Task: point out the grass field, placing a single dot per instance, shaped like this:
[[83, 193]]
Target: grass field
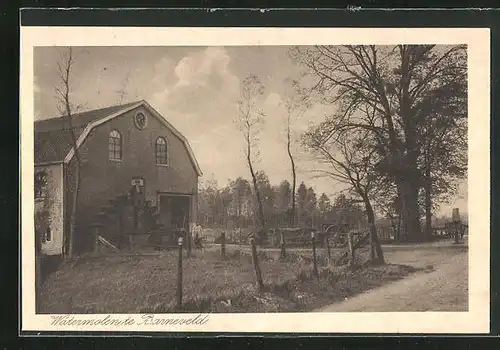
[[147, 283]]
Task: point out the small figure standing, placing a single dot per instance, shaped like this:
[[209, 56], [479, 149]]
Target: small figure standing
[[197, 241]]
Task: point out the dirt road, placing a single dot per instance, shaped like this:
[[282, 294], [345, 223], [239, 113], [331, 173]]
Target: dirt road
[[445, 288]]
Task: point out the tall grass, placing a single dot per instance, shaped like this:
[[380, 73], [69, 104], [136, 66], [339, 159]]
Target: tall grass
[[139, 284]]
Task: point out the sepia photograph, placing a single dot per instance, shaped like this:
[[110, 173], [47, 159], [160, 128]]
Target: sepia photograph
[[250, 179]]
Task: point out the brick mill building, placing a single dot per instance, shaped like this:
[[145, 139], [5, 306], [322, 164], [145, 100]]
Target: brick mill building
[[122, 148]]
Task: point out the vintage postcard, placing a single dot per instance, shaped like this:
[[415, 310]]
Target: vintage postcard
[[255, 180]]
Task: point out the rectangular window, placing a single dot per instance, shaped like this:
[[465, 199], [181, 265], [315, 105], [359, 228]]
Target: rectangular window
[[114, 152], [48, 235], [161, 155], [40, 184]]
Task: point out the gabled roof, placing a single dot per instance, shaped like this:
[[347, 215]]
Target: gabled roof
[[53, 141], [80, 120]]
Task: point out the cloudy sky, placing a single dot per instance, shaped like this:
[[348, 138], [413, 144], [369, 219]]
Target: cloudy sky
[[196, 89]]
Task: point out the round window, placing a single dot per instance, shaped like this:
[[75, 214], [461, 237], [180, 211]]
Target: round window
[[140, 121]]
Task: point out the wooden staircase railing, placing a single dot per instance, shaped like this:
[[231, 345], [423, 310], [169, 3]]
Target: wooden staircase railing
[[104, 242]]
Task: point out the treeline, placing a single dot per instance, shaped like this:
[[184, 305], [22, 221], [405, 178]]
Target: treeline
[[235, 205]]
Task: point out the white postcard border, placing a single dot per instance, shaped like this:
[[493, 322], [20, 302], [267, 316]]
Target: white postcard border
[[476, 320]]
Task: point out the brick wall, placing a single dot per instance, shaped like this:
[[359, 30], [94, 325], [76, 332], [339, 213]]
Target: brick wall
[[103, 179]]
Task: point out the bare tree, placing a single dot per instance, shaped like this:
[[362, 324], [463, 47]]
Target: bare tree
[[292, 162], [294, 107], [350, 158], [249, 118], [66, 108], [392, 80]]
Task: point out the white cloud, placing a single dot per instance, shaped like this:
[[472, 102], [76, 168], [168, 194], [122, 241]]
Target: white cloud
[[203, 67], [273, 99], [204, 83], [189, 72]]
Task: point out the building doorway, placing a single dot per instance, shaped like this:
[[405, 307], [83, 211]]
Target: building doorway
[[174, 212]]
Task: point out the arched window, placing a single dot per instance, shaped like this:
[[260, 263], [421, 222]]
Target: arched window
[[115, 145], [161, 151]]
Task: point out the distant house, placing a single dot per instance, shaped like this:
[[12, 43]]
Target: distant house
[[119, 146]]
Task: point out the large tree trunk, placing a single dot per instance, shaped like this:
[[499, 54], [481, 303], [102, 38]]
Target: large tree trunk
[[409, 183], [74, 211], [74, 204], [409, 212], [67, 108], [428, 203], [376, 255]]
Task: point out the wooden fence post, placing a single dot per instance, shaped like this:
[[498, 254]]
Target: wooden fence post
[[282, 242], [131, 242], [315, 264], [223, 245], [255, 261], [96, 239], [351, 248], [327, 246], [179, 274], [189, 243]]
